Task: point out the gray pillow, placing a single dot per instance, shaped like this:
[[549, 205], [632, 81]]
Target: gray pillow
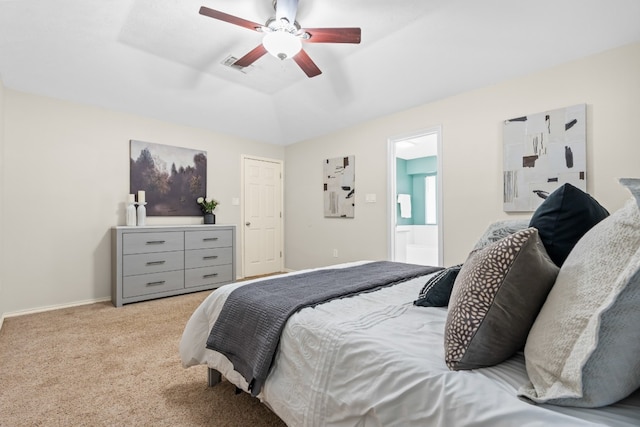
[[495, 300], [499, 230], [583, 348]]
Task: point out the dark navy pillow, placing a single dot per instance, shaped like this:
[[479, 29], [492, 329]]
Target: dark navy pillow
[[563, 218], [437, 290]]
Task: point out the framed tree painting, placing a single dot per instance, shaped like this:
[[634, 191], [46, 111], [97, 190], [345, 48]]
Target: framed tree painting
[[172, 177], [542, 152], [339, 187]]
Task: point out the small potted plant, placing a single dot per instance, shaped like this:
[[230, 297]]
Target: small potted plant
[[208, 205]]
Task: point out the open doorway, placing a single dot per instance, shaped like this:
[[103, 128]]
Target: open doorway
[[415, 196]]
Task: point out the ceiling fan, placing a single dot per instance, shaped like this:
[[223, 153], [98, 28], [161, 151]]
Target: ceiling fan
[[283, 36]]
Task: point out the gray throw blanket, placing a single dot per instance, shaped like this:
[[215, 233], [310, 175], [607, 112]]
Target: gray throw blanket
[[249, 326]]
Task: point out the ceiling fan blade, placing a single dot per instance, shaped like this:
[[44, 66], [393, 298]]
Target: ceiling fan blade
[[216, 14], [251, 57], [333, 35], [286, 9], [308, 66]]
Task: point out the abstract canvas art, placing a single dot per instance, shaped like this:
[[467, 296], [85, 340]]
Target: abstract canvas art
[[172, 177], [541, 152], [339, 187]]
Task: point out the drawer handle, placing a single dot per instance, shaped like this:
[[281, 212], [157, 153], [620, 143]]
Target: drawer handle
[[206, 276], [161, 282], [210, 257], [156, 262], [209, 239], [155, 242]]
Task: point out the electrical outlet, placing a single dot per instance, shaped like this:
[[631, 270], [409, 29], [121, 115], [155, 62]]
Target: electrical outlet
[[335, 253]]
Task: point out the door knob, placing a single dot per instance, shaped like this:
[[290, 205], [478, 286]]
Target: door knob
[[247, 224]]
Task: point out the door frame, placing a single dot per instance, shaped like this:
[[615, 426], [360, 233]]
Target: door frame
[[243, 158], [391, 189]]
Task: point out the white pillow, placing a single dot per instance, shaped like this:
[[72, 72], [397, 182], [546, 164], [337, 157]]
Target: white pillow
[[583, 347]]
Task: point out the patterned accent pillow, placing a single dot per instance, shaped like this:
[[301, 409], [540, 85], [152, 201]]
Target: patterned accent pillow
[[496, 299], [437, 291], [583, 348]]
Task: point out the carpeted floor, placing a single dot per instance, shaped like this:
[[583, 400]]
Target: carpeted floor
[[97, 365]]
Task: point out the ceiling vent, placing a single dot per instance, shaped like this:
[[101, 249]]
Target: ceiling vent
[[230, 60]]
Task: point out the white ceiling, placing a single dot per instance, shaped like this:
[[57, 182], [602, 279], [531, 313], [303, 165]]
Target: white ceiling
[[160, 58], [415, 148]]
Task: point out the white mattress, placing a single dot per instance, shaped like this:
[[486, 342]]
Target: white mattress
[[378, 360]]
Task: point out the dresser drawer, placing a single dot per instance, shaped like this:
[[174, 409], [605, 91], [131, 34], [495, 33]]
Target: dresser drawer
[[207, 239], [207, 275], [146, 284], [152, 263], [207, 257], [139, 243]]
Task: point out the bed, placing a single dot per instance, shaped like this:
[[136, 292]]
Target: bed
[[377, 359]]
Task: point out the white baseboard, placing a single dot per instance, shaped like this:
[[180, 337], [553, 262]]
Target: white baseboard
[[51, 307], [1, 321]]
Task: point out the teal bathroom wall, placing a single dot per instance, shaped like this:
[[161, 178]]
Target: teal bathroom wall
[[404, 185], [423, 165], [418, 210], [410, 179]]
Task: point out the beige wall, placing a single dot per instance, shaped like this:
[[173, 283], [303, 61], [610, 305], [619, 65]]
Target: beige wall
[[3, 299], [64, 174], [609, 83], [67, 176]]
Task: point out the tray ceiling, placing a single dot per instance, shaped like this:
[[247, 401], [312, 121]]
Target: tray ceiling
[[161, 59]]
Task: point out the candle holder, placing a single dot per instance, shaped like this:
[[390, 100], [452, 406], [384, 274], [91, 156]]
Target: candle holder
[[142, 213], [131, 214]]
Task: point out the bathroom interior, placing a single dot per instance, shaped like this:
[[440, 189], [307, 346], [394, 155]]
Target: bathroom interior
[[416, 228]]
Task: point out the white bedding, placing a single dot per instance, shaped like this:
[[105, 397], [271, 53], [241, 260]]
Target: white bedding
[[378, 360]]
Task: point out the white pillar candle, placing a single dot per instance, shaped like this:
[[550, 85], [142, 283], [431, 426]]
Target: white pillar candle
[[132, 198], [141, 197]]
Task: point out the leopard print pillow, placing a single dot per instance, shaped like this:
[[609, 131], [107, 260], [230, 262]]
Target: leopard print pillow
[[495, 300]]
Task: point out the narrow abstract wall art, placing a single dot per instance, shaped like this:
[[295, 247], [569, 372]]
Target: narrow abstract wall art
[[541, 152], [339, 187], [172, 177]]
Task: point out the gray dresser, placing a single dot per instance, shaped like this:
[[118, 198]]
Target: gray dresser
[[158, 261]]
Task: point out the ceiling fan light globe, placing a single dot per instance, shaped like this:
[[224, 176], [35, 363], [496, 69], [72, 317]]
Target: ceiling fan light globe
[[282, 44]]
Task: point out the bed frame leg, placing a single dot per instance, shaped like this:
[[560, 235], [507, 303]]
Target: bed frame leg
[[213, 377]]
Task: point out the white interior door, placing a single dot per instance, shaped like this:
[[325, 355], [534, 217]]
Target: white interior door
[[262, 248]]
